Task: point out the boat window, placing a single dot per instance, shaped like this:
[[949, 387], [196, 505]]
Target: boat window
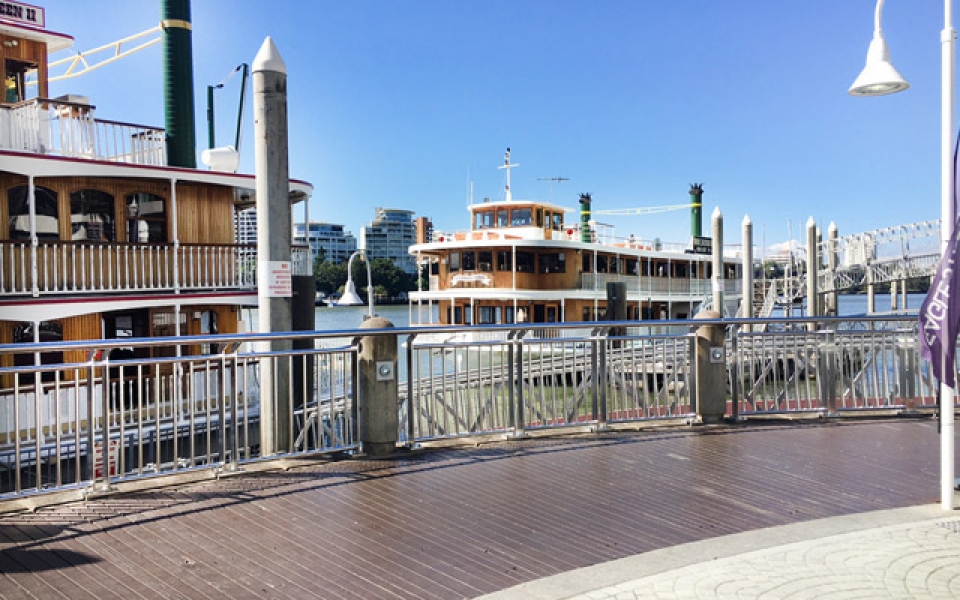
[[48, 227], [647, 267], [503, 217], [558, 221], [615, 264], [525, 262], [520, 217], [539, 217], [15, 80], [504, 260], [553, 262], [468, 261], [601, 264], [488, 315], [631, 266], [454, 262], [483, 219], [49, 331], [485, 260], [680, 270], [586, 263], [92, 216], [146, 219], [508, 315]]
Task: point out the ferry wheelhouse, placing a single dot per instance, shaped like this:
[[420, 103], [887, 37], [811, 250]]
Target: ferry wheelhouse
[[101, 236], [521, 261]]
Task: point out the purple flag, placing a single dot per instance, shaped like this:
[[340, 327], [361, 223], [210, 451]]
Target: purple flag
[[940, 311], [940, 315]]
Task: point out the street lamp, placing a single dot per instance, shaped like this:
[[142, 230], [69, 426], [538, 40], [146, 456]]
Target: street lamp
[[879, 78], [350, 296]]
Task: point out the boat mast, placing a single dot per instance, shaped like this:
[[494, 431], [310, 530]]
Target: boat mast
[[507, 166]]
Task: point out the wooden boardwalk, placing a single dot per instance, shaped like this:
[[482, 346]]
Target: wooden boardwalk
[[462, 522]]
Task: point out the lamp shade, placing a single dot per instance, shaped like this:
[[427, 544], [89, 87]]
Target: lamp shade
[[350, 296], [879, 77]]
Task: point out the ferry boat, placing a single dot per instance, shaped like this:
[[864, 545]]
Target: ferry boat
[[108, 229], [521, 261]]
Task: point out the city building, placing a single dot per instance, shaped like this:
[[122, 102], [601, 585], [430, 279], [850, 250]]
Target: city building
[[424, 227], [337, 245], [390, 235]]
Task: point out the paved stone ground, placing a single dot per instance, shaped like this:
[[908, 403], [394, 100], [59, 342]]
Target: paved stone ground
[[901, 553]]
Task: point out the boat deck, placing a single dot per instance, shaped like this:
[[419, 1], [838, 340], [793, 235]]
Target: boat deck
[[462, 522]]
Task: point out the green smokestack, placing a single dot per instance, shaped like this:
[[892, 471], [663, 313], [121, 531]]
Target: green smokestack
[[585, 235], [178, 82], [696, 209]]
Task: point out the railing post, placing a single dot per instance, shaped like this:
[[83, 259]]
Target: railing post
[[600, 407], [411, 440], [736, 376], [377, 411], [711, 369], [827, 371], [515, 356]]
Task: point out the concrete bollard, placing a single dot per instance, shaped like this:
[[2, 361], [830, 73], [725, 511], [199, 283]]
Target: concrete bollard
[[377, 412], [711, 370]]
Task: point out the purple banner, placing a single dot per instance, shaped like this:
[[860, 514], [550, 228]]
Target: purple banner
[[940, 311], [940, 315]]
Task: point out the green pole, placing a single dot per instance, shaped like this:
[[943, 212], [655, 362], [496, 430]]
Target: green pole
[[211, 137], [585, 235], [696, 210], [178, 83]]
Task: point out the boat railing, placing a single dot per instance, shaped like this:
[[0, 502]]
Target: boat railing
[[99, 422], [68, 129], [63, 267], [645, 284]]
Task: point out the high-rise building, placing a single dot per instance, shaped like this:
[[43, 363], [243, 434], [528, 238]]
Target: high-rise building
[[390, 235], [337, 244], [424, 230]]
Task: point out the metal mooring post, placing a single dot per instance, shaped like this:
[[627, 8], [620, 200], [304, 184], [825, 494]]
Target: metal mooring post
[[711, 369], [377, 411]]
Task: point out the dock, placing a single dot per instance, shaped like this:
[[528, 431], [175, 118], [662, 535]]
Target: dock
[[465, 521]]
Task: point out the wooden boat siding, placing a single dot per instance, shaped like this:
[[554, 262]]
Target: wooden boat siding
[[204, 212]]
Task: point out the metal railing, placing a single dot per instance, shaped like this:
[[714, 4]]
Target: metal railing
[[85, 426]]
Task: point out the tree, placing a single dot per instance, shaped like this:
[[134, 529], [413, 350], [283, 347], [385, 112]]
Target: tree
[[329, 277]]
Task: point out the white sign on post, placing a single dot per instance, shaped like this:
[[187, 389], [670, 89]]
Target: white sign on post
[[276, 278]]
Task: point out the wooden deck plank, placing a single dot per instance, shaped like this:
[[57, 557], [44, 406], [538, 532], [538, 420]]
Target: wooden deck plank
[[461, 522]]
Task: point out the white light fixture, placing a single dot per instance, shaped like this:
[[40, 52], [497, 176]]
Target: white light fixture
[[878, 77], [350, 296]]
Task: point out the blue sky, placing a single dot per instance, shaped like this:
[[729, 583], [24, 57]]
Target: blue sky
[[402, 104]]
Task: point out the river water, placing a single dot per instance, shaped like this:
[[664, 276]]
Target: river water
[[350, 317]]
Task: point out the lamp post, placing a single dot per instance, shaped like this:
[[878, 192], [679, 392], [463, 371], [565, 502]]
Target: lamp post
[[879, 78], [350, 296]]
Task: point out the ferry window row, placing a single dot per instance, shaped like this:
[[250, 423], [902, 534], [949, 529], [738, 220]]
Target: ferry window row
[[527, 262], [93, 216], [517, 217]]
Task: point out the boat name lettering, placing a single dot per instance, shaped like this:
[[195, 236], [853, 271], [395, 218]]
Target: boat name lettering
[[21, 13]]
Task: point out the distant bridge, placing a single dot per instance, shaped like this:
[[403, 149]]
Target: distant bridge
[[885, 255]]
